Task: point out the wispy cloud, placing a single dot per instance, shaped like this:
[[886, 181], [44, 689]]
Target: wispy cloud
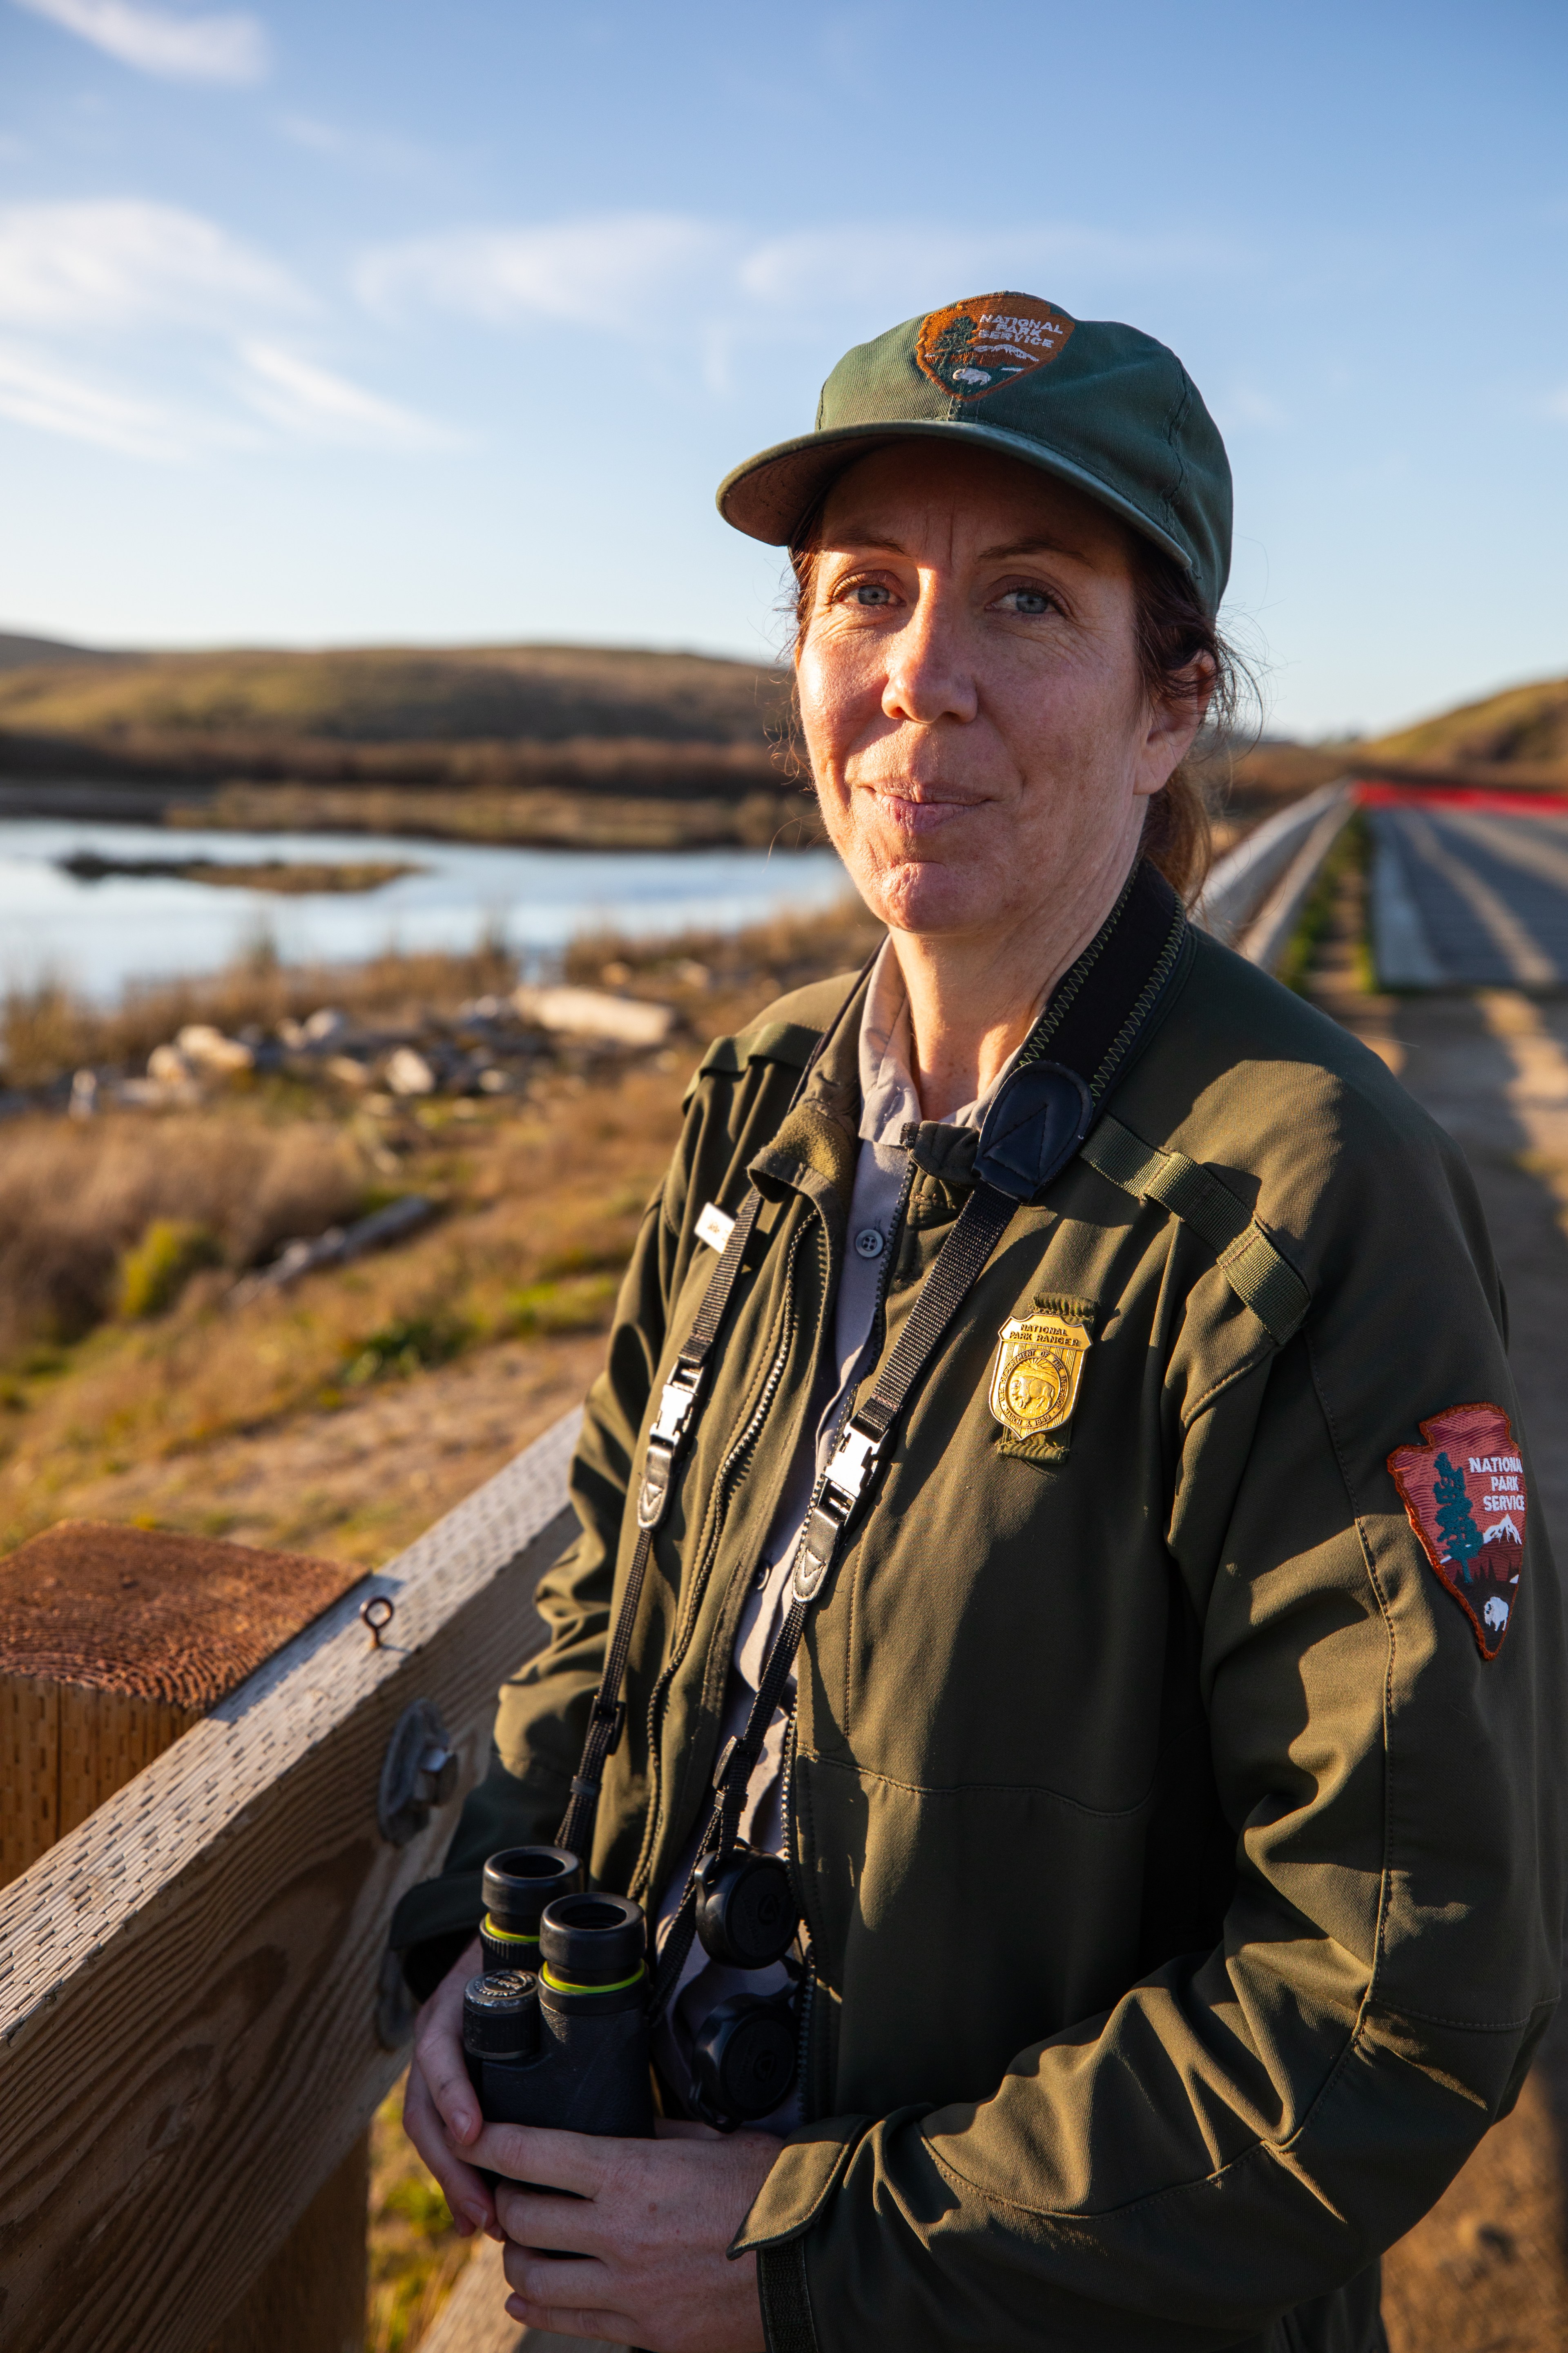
[[38, 392], [150, 330], [227, 48], [606, 271], [685, 278], [119, 262], [314, 405], [369, 151]]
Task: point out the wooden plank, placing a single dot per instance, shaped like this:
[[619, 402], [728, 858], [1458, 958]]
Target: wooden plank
[[312, 2293], [188, 1981]]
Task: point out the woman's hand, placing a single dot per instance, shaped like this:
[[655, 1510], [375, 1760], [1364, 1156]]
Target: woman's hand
[[640, 2237], [440, 2111]]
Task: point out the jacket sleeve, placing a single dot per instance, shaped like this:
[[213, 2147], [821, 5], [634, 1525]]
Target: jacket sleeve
[[1248, 2128], [543, 1716]]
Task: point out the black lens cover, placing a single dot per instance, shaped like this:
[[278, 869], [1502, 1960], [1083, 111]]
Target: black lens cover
[[743, 2059], [746, 1911], [1040, 1117]]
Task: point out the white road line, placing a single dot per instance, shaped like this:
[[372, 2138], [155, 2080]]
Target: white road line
[[1512, 939], [1401, 949], [1537, 1093], [1515, 839]]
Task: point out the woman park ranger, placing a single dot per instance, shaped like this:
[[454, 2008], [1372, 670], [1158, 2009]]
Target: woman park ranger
[[1085, 1525]]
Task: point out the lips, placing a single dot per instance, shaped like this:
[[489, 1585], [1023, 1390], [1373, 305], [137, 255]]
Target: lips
[[920, 813]]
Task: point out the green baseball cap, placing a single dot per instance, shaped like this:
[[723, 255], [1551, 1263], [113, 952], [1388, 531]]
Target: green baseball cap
[[1094, 403]]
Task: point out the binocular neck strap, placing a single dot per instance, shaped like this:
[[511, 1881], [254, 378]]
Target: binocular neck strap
[[667, 1443], [857, 1454]]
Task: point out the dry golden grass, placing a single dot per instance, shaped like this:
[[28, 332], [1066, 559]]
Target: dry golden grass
[[539, 1203], [76, 1199]]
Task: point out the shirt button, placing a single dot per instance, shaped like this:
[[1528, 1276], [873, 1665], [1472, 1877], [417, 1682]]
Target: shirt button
[[868, 1242]]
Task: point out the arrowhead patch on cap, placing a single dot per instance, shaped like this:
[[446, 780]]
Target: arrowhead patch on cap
[[1464, 1492], [972, 347]]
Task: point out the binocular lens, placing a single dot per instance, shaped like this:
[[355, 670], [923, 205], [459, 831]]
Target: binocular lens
[[593, 1941], [742, 2062], [746, 1914]]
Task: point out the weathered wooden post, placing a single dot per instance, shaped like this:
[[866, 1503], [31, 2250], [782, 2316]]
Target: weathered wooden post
[[114, 1641], [197, 2017]]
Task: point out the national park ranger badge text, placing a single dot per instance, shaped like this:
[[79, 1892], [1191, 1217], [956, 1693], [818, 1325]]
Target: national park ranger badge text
[[1039, 1360], [1463, 1490]]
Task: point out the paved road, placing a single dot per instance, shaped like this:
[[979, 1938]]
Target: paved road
[[1470, 898]]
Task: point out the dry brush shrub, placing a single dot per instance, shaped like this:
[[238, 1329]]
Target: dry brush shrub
[[75, 1198]]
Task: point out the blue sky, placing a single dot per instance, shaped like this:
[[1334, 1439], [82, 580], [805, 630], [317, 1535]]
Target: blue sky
[[380, 321]]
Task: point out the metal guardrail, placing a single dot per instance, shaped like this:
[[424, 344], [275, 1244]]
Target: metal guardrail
[[1253, 899], [196, 2021]]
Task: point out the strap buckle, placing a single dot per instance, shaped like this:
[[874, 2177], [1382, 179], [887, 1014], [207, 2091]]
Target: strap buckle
[[676, 1402], [854, 1462], [614, 1718]]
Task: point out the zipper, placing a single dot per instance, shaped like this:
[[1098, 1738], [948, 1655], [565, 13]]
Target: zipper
[[877, 1335], [729, 1471]]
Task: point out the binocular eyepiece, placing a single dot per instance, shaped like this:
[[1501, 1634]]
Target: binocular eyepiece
[[565, 2045], [555, 2031]]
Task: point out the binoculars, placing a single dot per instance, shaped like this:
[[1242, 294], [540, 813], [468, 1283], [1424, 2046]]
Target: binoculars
[[555, 2031]]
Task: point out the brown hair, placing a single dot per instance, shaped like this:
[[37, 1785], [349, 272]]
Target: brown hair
[[1182, 659]]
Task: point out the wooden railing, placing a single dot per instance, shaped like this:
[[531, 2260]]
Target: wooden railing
[[196, 2019]]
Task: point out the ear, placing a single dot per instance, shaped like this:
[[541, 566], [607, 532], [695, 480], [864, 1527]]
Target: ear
[[1174, 719]]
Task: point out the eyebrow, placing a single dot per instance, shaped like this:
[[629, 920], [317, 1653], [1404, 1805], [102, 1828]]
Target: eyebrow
[[1037, 543]]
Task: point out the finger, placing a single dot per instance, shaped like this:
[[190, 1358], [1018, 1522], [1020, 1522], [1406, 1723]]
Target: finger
[[607, 2327], [582, 2291], [551, 2161], [439, 2049], [465, 2192], [571, 2224]]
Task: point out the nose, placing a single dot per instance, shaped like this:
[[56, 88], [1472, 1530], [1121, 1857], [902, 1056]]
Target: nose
[[929, 676]]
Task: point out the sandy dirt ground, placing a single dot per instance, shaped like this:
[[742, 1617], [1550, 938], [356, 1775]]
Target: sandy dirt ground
[[1486, 2271], [364, 1479]]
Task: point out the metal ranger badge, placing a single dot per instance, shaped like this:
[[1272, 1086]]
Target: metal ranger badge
[[1464, 1492], [1039, 1360]]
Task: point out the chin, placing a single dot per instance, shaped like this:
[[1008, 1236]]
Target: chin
[[920, 895]]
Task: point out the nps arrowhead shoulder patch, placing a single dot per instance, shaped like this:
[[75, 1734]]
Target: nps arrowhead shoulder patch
[[1464, 1492]]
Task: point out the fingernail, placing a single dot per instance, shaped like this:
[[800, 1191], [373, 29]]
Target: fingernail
[[476, 2218], [463, 2226], [462, 2122]]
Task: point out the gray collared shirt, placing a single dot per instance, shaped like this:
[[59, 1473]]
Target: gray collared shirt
[[888, 1104]]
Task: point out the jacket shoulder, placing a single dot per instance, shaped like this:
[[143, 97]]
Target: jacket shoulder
[[1305, 1124], [784, 1032]]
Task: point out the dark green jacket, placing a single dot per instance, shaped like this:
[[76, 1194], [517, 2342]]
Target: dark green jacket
[[1183, 1886]]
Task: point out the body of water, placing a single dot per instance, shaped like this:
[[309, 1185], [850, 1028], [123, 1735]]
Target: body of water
[[96, 935]]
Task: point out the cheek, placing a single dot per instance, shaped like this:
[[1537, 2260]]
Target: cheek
[[839, 690]]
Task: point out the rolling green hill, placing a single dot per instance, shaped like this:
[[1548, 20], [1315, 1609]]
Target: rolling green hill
[[542, 694], [1526, 724]]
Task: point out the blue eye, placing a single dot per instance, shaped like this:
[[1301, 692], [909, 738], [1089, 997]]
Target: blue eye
[[870, 592], [1029, 602]]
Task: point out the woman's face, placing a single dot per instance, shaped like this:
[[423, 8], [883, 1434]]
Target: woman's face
[[978, 729]]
